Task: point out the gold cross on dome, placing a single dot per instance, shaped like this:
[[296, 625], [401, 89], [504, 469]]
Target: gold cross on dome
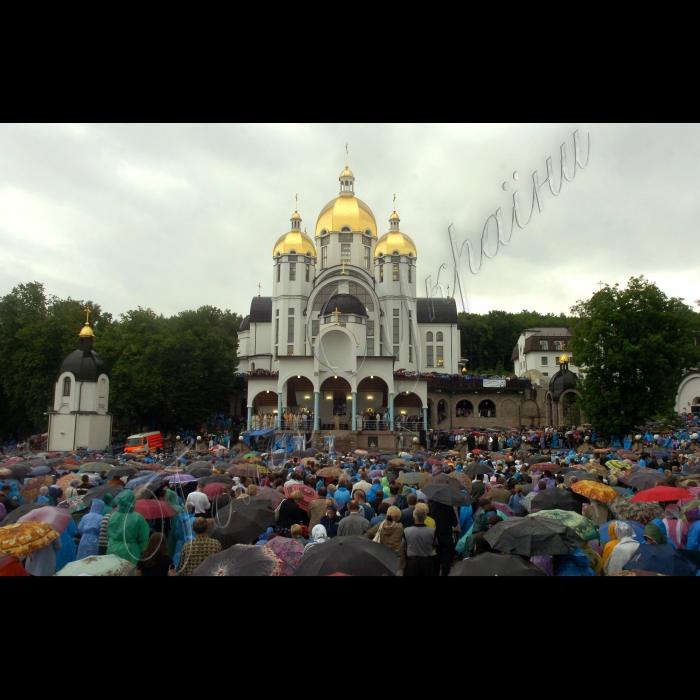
[[87, 312], [448, 291], [259, 287], [342, 262], [600, 285], [336, 313]]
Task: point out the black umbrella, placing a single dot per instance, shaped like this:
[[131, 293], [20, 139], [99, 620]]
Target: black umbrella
[[199, 472], [120, 471], [217, 479], [99, 491], [477, 468], [238, 560], [199, 463], [531, 536], [242, 521], [661, 559], [645, 480], [443, 478], [562, 499], [20, 470], [446, 494], [297, 453], [536, 459], [150, 490], [490, 564], [354, 555], [17, 513]]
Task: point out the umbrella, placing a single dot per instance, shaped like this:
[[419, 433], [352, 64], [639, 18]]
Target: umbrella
[[17, 513], [120, 471], [444, 493], [534, 460], [198, 463], [246, 471], [148, 490], [181, 478], [354, 555], [661, 559], [637, 527], [548, 466], [533, 536], [643, 480], [57, 518], [31, 489], [140, 480], [307, 491], [216, 479], [476, 468], [661, 493], [329, 471], [20, 470], [643, 513], [243, 520], [99, 491], [64, 481], [361, 452], [491, 564], [19, 539], [106, 565], [464, 481], [214, 489], [198, 472], [581, 476], [412, 478], [297, 453], [442, 478], [586, 529], [396, 463], [40, 471], [563, 499], [270, 494], [309, 461], [152, 509], [591, 489], [289, 551], [74, 505], [240, 560]]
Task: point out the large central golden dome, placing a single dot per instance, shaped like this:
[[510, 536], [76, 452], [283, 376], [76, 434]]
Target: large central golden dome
[[346, 211]]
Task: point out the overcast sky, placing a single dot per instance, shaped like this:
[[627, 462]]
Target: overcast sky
[[173, 217]]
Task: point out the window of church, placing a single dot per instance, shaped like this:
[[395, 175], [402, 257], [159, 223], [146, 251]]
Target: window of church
[[370, 329], [290, 329], [345, 252], [325, 239], [409, 275], [396, 330], [324, 258], [396, 350], [292, 272], [279, 271], [345, 237], [103, 388], [66, 386], [557, 345], [410, 354], [367, 240], [308, 271], [290, 350], [438, 355], [367, 257], [291, 311], [277, 331], [438, 336], [545, 361], [395, 271], [429, 356], [292, 256], [381, 272], [346, 229], [314, 330], [342, 320], [370, 347], [429, 337], [543, 345]]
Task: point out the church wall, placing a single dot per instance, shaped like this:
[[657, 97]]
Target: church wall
[[688, 390], [450, 347], [88, 396], [61, 429], [92, 432], [64, 404]]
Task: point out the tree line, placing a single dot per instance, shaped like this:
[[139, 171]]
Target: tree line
[[165, 372]]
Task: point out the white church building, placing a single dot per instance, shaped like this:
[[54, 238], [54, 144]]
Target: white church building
[[344, 334]]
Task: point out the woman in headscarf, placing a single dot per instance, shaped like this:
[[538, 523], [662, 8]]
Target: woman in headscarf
[[72, 490], [318, 536], [673, 527], [653, 534], [89, 528], [622, 550], [44, 496], [390, 532]]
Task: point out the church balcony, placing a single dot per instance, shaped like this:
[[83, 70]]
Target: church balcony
[[466, 383]]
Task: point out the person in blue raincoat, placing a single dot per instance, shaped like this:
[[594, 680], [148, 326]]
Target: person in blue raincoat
[[67, 553], [183, 533], [574, 564], [89, 528]]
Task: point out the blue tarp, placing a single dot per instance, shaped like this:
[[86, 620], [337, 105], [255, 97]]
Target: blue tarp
[[256, 433]]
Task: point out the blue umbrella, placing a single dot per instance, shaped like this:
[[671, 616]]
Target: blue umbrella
[[661, 559], [637, 527], [180, 478], [146, 479], [40, 471]]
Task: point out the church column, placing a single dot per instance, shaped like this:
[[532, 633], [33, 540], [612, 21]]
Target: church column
[[279, 410], [317, 408], [425, 419], [391, 411], [354, 410], [249, 425]]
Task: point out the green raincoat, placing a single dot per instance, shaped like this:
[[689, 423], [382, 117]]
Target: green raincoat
[[108, 500], [127, 531]]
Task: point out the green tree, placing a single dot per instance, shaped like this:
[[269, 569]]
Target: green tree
[[635, 345]]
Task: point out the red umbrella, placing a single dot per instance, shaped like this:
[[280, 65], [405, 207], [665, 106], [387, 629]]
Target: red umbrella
[[476, 451], [152, 509], [547, 466], [213, 490], [309, 494], [661, 493]]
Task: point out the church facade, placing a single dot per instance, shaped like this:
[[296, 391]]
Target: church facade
[[344, 336]]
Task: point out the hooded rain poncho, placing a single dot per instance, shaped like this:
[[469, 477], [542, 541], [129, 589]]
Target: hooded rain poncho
[[89, 528], [128, 531]]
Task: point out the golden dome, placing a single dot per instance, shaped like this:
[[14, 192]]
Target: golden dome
[[563, 359], [395, 240], [297, 241], [296, 216], [346, 173], [86, 331], [346, 211], [394, 217]]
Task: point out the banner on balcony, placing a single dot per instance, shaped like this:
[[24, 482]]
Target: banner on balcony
[[495, 383]]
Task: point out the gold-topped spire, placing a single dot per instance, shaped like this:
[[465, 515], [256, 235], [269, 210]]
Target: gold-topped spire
[[346, 156], [394, 204], [86, 331], [563, 358], [259, 288]]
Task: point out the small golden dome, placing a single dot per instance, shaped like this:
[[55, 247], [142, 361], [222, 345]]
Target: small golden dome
[[298, 242], [394, 217], [346, 173], [86, 331], [395, 240], [563, 359], [346, 211], [295, 216]]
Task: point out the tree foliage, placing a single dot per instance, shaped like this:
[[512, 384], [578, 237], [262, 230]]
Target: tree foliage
[[164, 372], [635, 345], [487, 340]]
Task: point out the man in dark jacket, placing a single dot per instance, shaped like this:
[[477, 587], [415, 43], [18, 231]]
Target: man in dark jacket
[[445, 520], [407, 513]]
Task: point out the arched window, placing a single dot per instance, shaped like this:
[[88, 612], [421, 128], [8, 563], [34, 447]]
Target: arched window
[[252, 366], [464, 408], [103, 388], [438, 337], [346, 229], [487, 409], [429, 337], [441, 410], [557, 345], [66, 386], [544, 345]]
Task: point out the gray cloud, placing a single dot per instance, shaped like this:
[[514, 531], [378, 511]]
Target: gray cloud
[[176, 216]]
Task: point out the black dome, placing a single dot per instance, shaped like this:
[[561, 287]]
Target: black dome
[[561, 382], [245, 324], [345, 303], [86, 365]]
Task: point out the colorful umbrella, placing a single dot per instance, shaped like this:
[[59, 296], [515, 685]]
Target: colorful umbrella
[[586, 529], [74, 505], [361, 452], [309, 461], [19, 539], [643, 513], [31, 489], [308, 493], [106, 565], [152, 509], [180, 478], [64, 481], [241, 560], [463, 479], [592, 489], [289, 551], [57, 518], [661, 493], [214, 489], [330, 471]]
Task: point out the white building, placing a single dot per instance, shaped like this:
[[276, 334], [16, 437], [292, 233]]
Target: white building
[[344, 317], [536, 354], [79, 417]]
